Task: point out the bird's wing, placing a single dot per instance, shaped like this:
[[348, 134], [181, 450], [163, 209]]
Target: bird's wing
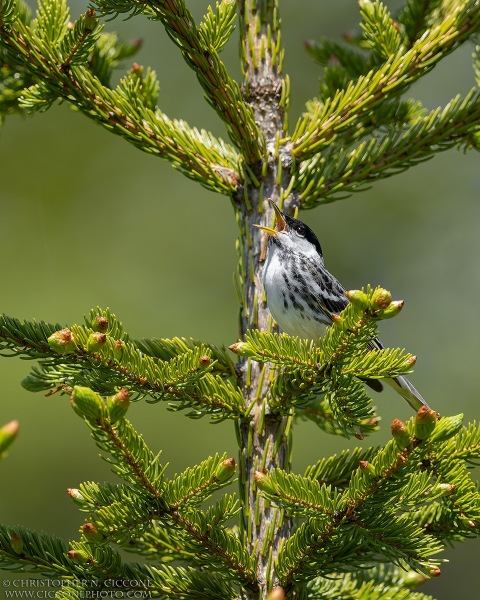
[[328, 290], [332, 298]]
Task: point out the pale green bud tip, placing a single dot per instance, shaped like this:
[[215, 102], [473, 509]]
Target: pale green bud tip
[[358, 298], [91, 19], [16, 542], [91, 533], [395, 24], [76, 496], [118, 405], [359, 434], [237, 347], [425, 421], [446, 488], [137, 69], [62, 341], [205, 360], [468, 523], [400, 434], [264, 483], [242, 348], [87, 403], [278, 593], [382, 298], [413, 580], [392, 309], [96, 341], [367, 468], [225, 470], [78, 556], [118, 347], [100, 324], [7, 434], [435, 572]]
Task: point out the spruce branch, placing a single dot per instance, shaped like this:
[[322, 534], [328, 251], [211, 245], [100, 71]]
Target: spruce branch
[[382, 584], [353, 530], [96, 568], [179, 582], [218, 545], [151, 499], [324, 533], [467, 444], [300, 496], [133, 461], [334, 174], [415, 17], [319, 127], [199, 47], [320, 412], [128, 110], [183, 373], [21, 548], [336, 470], [331, 366], [386, 474]]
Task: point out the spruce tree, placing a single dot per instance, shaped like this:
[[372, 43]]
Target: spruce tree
[[365, 524]]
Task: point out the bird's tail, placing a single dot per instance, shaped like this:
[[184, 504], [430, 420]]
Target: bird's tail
[[407, 391]]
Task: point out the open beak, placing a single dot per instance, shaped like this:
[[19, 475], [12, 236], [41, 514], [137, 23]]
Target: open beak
[[280, 223]]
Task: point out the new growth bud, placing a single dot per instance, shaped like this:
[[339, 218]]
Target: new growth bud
[[78, 556], [86, 403], [100, 324], [16, 542], [241, 348], [118, 348], [446, 489], [90, 19], [225, 470], [278, 593], [382, 298], [118, 405], [400, 434], [7, 434], [435, 572], [76, 496], [413, 580], [367, 468], [365, 4], [264, 483], [358, 298], [96, 341], [205, 360], [62, 341], [91, 533], [425, 421], [393, 309]]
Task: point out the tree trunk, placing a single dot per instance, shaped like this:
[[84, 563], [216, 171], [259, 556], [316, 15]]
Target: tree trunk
[[264, 436]]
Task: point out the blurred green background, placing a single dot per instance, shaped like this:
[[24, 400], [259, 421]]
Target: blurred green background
[[88, 220]]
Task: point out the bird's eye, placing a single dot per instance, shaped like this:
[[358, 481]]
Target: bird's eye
[[301, 230]]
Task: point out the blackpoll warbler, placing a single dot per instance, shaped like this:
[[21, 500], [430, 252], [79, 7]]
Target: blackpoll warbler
[[302, 295]]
